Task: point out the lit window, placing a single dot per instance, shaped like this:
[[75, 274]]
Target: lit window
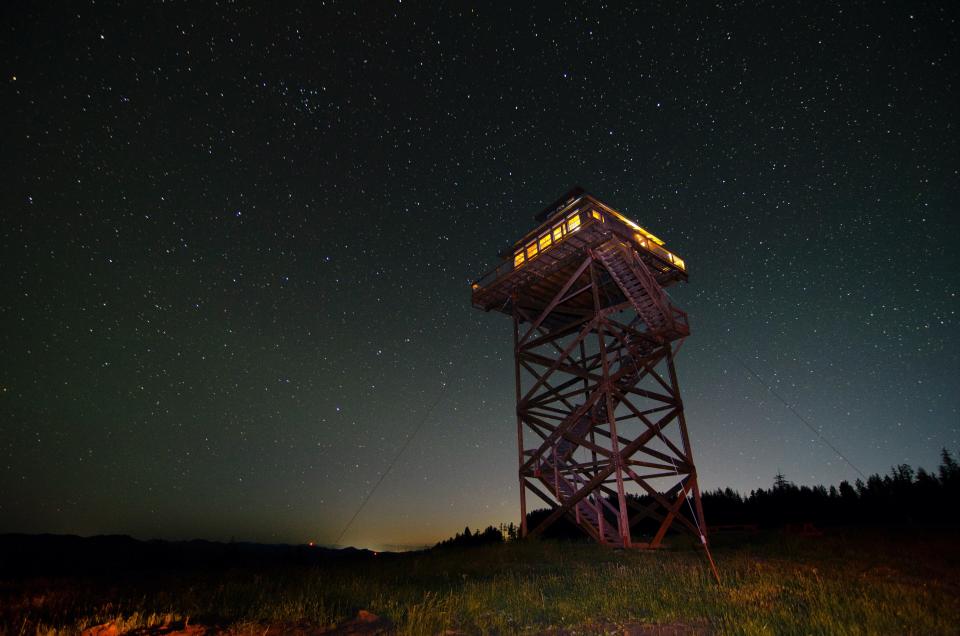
[[544, 242], [596, 215], [557, 233], [573, 223], [679, 262], [531, 250], [518, 259]]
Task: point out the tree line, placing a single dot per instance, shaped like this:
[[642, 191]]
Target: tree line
[[904, 496]]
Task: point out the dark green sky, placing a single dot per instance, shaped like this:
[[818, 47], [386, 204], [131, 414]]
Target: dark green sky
[[237, 243]]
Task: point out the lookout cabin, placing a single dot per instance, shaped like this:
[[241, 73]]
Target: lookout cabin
[[568, 228]]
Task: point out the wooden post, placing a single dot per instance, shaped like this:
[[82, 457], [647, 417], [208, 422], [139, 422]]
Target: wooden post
[[523, 482]]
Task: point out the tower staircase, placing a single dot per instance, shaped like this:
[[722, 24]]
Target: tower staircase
[[558, 468], [664, 321], [558, 471]]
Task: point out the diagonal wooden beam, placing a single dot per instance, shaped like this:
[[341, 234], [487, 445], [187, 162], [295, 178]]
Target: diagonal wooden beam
[[563, 428], [663, 500], [547, 337], [671, 514], [659, 433], [556, 299], [553, 364], [625, 453], [549, 390]]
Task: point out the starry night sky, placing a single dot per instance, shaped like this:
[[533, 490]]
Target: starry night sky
[[237, 245]]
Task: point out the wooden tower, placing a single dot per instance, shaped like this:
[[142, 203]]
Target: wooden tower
[[600, 426]]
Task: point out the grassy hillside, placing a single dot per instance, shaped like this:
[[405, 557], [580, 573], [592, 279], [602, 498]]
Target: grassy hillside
[[855, 583]]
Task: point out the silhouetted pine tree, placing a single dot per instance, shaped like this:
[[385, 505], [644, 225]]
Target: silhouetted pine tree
[[468, 539]]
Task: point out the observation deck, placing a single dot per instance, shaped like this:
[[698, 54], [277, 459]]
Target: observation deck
[[543, 259]]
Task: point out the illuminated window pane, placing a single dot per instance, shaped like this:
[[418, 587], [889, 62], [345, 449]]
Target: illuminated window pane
[[679, 262], [573, 223], [531, 250], [596, 215], [557, 233], [544, 242], [518, 259]]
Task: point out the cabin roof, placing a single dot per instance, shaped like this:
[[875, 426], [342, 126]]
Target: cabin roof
[[560, 203], [572, 196]]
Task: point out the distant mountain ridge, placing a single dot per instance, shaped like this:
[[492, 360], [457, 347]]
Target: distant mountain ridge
[[67, 554]]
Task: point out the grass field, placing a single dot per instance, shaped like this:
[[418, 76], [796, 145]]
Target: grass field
[[844, 583]]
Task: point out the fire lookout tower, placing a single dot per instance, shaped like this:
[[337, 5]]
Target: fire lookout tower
[[600, 427]]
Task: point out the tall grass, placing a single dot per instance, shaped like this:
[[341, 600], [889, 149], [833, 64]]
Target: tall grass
[[780, 586]]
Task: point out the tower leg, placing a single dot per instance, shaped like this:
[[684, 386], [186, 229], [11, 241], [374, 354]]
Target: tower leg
[[523, 484], [687, 450]]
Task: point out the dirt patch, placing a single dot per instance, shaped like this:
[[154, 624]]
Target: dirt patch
[[178, 628], [363, 624], [633, 629]]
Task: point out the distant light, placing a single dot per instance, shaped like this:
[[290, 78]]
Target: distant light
[[310, 544]]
